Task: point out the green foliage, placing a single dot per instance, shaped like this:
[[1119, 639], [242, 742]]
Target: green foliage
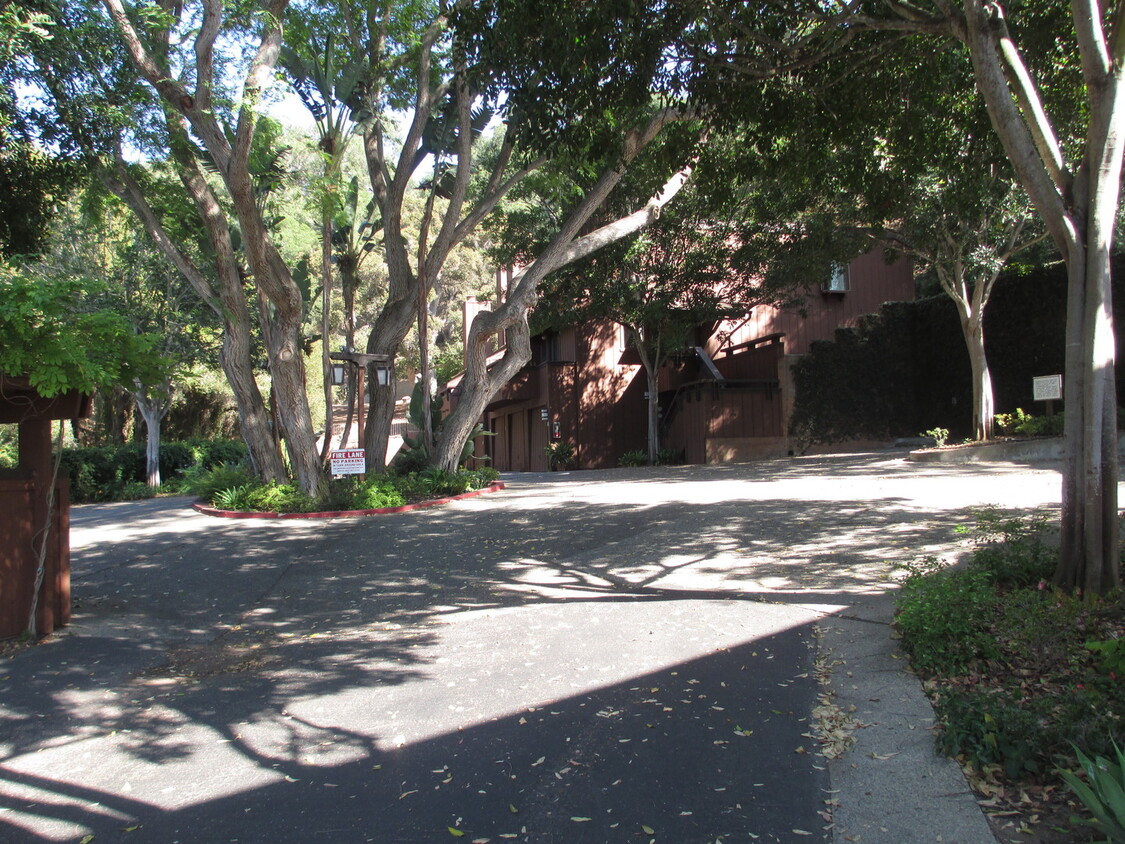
[[46, 336], [234, 488], [862, 384], [1011, 548], [379, 491], [482, 476], [108, 473], [1110, 655], [1102, 792], [9, 446], [986, 727], [633, 458], [1019, 673], [942, 615], [135, 491], [560, 453], [439, 482], [1021, 423], [33, 184], [201, 413], [208, 483], [938, 435]]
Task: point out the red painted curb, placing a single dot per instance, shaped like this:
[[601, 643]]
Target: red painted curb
[[336, 514]]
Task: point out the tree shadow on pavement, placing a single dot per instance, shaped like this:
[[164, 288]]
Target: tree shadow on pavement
[[389, 653]]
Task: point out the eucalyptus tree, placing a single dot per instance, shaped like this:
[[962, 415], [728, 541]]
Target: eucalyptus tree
[[908, 162], [686, 269], [451, 69], [90, 101], [325, 90], [1051, 80], [194, 105]]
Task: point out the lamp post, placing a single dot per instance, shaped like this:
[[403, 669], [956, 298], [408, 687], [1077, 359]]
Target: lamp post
[[361, 361]]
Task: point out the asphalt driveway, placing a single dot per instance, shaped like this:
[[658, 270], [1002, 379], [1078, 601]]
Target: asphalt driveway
[[630, 655]]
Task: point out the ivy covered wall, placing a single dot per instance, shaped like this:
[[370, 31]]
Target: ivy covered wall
[[905, 370]]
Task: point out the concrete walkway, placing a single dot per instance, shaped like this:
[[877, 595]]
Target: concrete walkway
[[613, 656]]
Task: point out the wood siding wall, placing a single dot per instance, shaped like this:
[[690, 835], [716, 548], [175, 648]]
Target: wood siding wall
[[872, 281], [710, 411], [594, 388], [23, 502]]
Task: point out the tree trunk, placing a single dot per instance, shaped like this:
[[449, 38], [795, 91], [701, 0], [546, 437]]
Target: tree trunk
[[984, 408], [390, 328], [1078, 205], [481, 381], [226, 299], [650, 363], [1089, 549], [152, 412], [325, 324]]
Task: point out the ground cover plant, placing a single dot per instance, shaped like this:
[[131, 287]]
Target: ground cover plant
[[237, 488], [1024, 678]]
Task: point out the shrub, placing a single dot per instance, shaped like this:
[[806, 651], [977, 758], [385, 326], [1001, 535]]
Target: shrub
[[633, 458], [439, 483], [559, 454], [1024, 424], [206, 483], [942, 615], [481, 477], [232, 498], [135, 491], [1103, 793], [938, 435], [103, 473], [1011, 548], [9, 446], [275, 498], [986, 727], [208, 453], [379, 491]]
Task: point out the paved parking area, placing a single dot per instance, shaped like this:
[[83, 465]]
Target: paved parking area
[[590, 656]]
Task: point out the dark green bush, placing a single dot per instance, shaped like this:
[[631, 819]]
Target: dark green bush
[[943, 615], [633, 458], [208, 453], [1012, 548], [986, 726], [206, 483], [106, 473]]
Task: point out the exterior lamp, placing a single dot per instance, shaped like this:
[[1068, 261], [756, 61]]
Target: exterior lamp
[[382, 374], [338, 377]]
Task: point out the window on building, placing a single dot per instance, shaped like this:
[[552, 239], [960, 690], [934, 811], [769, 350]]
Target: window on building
[[838, 281]]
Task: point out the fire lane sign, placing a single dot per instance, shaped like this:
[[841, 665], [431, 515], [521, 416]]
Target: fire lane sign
[[348, 462]]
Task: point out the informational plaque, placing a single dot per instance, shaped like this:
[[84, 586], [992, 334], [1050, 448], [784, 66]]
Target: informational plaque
[[1046, 388], [349, 462]]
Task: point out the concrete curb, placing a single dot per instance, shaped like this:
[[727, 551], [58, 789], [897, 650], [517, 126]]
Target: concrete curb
[[892, 787], [339, 514], [1041, 450]]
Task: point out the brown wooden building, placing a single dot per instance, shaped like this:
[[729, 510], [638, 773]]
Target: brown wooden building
[[728, 398]]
